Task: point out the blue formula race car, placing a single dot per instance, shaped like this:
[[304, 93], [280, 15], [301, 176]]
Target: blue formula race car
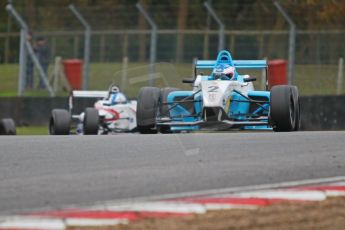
[[222, 100]]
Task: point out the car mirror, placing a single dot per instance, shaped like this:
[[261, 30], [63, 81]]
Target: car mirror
[[188, 80], [249, 79]]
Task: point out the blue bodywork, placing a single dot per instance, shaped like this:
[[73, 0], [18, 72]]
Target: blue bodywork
[[242, 111]]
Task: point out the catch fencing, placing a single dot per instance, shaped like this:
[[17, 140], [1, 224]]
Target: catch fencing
[[115, 37]]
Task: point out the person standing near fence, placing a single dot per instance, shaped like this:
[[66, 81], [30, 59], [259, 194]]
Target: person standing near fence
[[29, 67], [42, 52]]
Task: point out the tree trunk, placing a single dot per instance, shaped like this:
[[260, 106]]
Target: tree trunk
[[181, 24], [142, 24], [31, 13]]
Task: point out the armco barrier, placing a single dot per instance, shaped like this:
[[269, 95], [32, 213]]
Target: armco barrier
[[36, 111], [318, 112], [323, 112]]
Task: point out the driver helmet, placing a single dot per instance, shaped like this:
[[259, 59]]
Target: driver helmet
[[115, 96], [114, 89], [223, 72]]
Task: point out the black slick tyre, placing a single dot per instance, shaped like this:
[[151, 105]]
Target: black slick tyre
[[60, 122], [295, 93], [91, 121], [147, 109], [7, 127], [282, 108]]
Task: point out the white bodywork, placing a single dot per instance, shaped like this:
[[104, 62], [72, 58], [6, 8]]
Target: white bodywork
[[216, 93], [119, 117]]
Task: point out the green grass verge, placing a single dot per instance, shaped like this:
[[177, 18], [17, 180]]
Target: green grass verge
[[310, 79], [32, 130]]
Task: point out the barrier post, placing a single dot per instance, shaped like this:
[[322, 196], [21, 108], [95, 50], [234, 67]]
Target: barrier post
[[292, 43], [340, 76], [87, 44], [124, 73], [153, 45], [220, 24]]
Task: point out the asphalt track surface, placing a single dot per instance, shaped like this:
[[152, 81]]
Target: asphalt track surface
[[55, 171]]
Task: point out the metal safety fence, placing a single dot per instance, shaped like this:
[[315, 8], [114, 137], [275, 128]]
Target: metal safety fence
[[118, 49]]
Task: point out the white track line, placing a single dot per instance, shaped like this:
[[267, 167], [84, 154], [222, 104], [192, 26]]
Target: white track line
[[339, 179], [155, 206], [38, 223], [182, 207], [334, 193], [82, 222], [210, 206], [310, 195], [23, 222], [283, 191]]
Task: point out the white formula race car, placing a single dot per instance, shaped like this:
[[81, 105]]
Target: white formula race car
[[112, 113], [7, 126]]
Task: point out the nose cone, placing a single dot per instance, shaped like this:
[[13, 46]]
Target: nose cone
[[212, 94]]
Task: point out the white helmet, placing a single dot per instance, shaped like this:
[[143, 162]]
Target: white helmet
[[114, 89]]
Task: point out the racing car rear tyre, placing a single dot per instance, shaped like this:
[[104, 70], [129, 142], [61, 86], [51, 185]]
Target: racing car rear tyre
[[60, 122], [164, 108], [295, 94], [147, 109], [283, 110], [7, 127], [91, 121]]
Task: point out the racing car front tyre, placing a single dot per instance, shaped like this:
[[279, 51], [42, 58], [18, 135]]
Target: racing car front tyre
[[295, 94], [60, 122], [283, 108], [147, 109], [7, 127], [91, 121]]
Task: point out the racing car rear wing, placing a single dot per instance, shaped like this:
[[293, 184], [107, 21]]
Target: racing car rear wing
[[89, 94], [86, 94], [240, 64]]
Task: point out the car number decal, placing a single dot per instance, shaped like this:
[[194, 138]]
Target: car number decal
[[213, 89]]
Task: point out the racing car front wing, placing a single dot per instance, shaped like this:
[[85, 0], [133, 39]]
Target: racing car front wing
[[202, 123]]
